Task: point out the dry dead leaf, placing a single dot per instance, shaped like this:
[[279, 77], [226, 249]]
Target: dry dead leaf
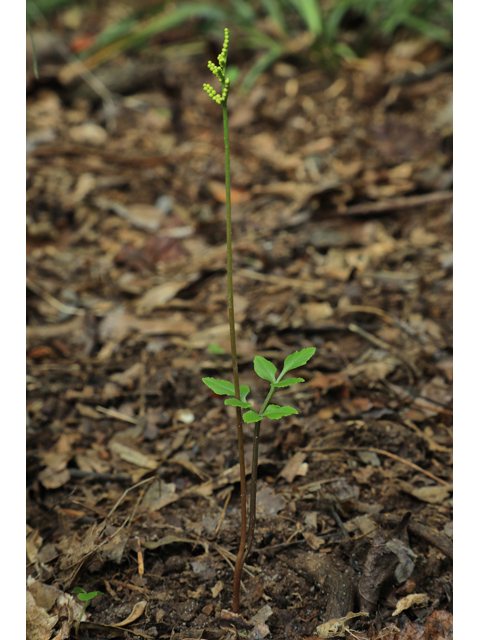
[[91, 462], [142, 216], [42, 600], [411, 600], [133, 456], [118, 324], [74, 551], [374, 371], [89, 133], [260, 631], [263, 615], [446, 365], [438, 625], [34, 544], [326, 381], [159, 494], [433, 495], [158, 296], [294, 467], [44, 594], [264, 146], [337, 627], [387, 632], [219, 334], [435, 395], [315, 311], [39, 623], [297, 191], [189, 466], [313, 541], [137, 611], [114, 549], [269, 503], [238, 196], [127, 378], [87, 412], [56, 474], [366, 525], [317, 147]]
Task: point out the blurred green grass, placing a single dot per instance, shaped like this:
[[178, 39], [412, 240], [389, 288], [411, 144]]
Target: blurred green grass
[[323, 32]]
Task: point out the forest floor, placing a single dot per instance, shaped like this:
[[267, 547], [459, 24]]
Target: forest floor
[[342, 225]]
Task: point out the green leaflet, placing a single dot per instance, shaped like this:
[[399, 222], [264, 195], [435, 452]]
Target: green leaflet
[[264, 368], [287, 382], [233, 402], [297, 359], [226, 388], [220, 387], [251, 416], [274, 411], [244, 391]]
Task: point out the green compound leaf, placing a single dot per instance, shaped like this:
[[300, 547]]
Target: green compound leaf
[[244, 391], [287, 382], [274, 411], [220, 387], [264, 368], [251, 416], [233, 402], [298, 359]]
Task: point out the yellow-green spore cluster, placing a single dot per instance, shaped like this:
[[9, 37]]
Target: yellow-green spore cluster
[[219, 73]]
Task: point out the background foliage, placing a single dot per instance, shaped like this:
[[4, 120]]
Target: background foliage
[[322, 32]]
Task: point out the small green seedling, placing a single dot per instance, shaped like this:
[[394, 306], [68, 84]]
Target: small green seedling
[[215, 349], [83, 596], [263, 367]]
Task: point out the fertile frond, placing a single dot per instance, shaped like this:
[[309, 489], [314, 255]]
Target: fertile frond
[[219, 73]]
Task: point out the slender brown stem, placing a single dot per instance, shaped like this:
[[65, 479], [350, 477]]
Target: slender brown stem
[[253, 493], [252, 516], [237, 577], [231, 318]]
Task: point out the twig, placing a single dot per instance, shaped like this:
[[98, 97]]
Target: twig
[[111, 413], [408, 202], [60, 306], [383, 453], [125, 493], [99, 477], [381, 344], [386, 316], [281, 545], [222, 515], [339, 522], [407, 462], [228, 557], [304, 285]]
